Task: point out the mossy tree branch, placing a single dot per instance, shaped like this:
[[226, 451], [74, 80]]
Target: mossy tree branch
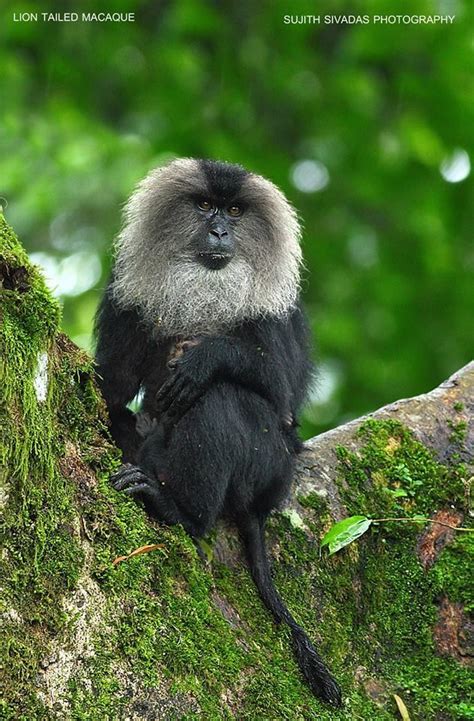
[[162, 635]]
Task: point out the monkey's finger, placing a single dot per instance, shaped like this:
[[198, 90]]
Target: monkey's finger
[[124, 472], [123, 483], [163, 390], [182, 404], [124, 467], [144, 492], [164, 401], [138, 488], [132, 475], [189, 395]]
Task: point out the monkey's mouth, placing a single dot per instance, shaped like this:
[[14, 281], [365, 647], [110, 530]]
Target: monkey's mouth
[[215, 261]]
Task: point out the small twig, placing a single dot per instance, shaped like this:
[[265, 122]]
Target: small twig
[[424, 520]]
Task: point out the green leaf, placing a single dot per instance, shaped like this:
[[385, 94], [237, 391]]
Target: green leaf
[[402, 472], [344, 532], [397, 492]]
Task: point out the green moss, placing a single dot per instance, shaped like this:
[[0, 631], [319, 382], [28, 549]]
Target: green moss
[[23, 651], [315, 501], [398, 597], [459, 431], [452, 573], [392, 460], [167, 623], [42, 557]]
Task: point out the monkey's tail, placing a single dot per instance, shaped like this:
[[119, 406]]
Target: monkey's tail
[[313, 668]]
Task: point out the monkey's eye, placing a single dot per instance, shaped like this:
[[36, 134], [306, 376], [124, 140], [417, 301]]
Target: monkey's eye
[[205, 205], [235, 211]]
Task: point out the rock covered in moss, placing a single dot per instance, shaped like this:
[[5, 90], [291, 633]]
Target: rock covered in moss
[[165, 635]]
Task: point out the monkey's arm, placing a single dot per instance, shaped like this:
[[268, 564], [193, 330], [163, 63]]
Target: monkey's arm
[[121, 351], [269, 357]]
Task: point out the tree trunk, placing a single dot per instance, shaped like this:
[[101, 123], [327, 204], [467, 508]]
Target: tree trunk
[[167, 635]]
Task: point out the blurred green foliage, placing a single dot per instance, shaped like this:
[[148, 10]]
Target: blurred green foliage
[[374, 110]]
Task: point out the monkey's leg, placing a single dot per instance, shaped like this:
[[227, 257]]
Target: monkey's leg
[[200, 456], [124, 433], [158, 502], [149, 485], [173, 481]]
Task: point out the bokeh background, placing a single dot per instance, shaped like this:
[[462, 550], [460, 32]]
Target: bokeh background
[[367, 129]]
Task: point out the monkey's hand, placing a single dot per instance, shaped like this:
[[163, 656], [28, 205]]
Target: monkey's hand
[[190, 377], [145, 424]]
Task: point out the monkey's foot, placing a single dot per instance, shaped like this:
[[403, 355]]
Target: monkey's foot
[[133, 481]]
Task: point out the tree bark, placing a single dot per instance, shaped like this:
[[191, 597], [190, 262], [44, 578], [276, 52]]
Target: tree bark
[[171, 633]]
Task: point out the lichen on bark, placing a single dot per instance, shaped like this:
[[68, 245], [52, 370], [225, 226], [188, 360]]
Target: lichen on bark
[[165, 635]]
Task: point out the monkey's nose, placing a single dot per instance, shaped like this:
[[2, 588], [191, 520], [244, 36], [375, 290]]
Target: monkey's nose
[[219, 232], [218, 249]]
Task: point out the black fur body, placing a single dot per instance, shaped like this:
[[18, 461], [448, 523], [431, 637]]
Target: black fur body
[[222, 438]]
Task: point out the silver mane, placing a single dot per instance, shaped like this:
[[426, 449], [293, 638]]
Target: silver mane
[[156, 272]]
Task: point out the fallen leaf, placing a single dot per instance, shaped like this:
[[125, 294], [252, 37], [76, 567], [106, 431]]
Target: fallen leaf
[[402, 708], [137, 552], [207, 549]]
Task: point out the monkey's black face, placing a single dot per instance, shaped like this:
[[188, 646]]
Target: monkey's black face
[[216, 243]]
